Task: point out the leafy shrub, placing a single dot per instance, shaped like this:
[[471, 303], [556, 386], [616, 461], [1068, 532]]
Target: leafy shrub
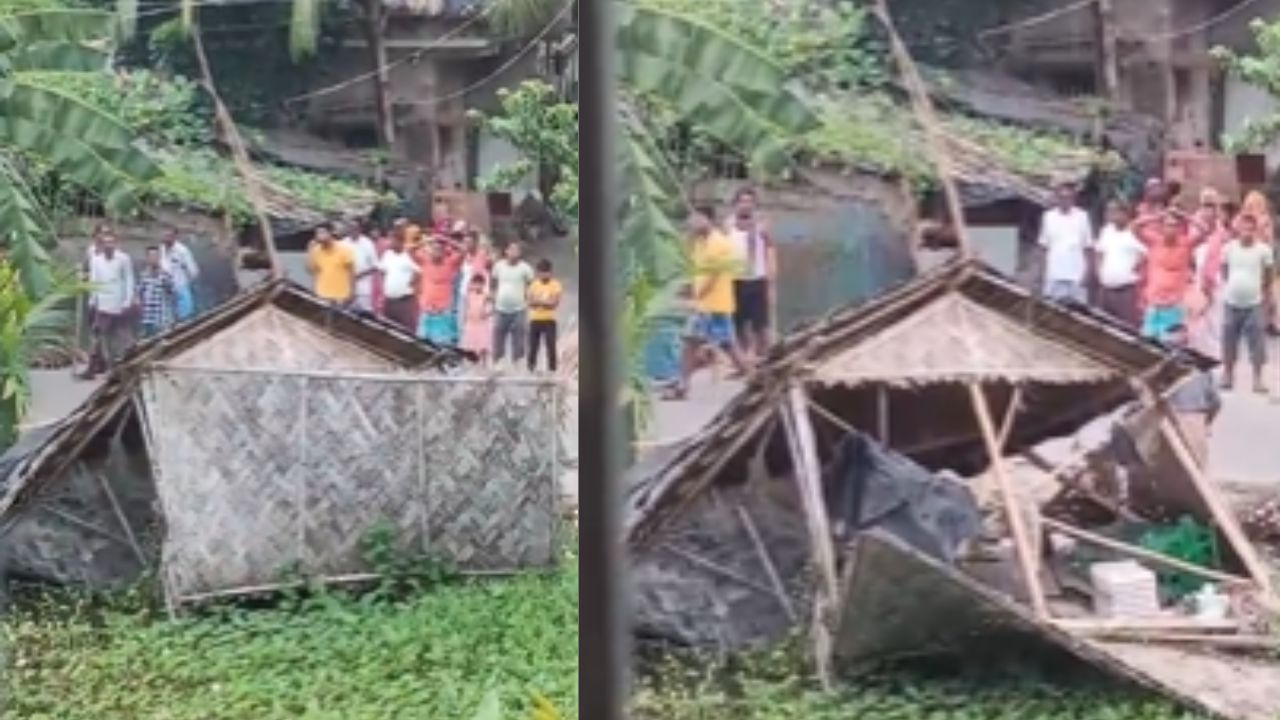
[[770, 686], [332, 656]]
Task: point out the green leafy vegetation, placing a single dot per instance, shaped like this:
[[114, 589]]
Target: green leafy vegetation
[[1260, 68], [171, 117], [544, 130], [768, 686], [438, 653], [162, 111], [30, 327]]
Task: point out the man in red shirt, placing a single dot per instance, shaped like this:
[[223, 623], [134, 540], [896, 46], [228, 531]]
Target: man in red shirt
[[1170, 257], [441, 262]]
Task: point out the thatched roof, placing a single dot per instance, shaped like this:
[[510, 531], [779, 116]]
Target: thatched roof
[[60, 446], [920, 344], [957, 339]]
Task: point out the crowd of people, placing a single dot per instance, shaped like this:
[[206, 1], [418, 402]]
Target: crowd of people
[[444, 285], [124, 302], [441, 284], [1203, 273]]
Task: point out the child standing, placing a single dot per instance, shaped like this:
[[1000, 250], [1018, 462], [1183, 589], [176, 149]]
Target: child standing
[[544, 300], [477, 317]]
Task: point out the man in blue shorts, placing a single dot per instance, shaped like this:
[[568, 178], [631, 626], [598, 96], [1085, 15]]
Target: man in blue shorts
[[711, 329]]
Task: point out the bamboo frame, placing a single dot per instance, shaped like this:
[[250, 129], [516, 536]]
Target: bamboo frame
[[714, 567], [808, 473], [1022, 541], [122, 518], [388, 376], [772, 570]]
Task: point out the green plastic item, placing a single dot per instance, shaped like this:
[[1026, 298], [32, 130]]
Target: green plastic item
[[1189, 541]]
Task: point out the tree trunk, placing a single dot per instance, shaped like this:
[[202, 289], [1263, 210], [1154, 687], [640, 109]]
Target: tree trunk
[[374, 27]]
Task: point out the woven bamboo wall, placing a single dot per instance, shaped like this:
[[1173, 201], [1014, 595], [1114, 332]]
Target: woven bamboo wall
[[258, 472]]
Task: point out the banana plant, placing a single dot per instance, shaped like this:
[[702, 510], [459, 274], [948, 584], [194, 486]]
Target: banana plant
[[44, 127], [28, 328], [724, 87]]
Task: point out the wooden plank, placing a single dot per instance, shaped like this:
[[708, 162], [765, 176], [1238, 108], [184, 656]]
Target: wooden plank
[[1021, 540], [1143, 554]]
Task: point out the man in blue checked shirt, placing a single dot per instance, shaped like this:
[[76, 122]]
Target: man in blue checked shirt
[[156, 295]]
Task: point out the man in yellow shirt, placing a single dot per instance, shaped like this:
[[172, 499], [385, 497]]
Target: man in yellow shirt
[[332, 266], [714, 267]]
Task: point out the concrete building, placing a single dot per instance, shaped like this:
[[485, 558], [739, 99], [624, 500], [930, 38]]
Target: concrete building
[[443, 61], [1162, 57]]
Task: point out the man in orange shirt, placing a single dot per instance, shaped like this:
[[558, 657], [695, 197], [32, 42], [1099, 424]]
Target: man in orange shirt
[[441, 262], [1170, 258]]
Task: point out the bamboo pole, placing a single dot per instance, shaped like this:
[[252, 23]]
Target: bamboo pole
[[804, 456], [1222, 515], [1140, 625], [923, 109], [1229, 642], [1021, 540], [1144, 554], [239, 155], [774, 577]]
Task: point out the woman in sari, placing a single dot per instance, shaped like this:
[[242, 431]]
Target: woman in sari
[[1204, 302]]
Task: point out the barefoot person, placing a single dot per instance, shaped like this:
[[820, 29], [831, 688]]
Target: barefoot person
[[1247, 269], [714, 260]]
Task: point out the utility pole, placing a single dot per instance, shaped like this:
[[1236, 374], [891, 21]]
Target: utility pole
[[1108, 68]]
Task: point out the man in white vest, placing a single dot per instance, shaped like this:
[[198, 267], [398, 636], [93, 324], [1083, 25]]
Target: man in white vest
[[754, 287]]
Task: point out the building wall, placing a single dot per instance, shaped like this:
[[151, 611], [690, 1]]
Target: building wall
[[1171, 78], [430, 96]]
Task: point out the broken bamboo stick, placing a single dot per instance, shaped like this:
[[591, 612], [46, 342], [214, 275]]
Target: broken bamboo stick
[[1143, 554], [1021, 541]]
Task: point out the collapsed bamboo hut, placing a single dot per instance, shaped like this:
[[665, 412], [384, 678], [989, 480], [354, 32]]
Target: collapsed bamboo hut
[[739, 537], [274, 433]]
